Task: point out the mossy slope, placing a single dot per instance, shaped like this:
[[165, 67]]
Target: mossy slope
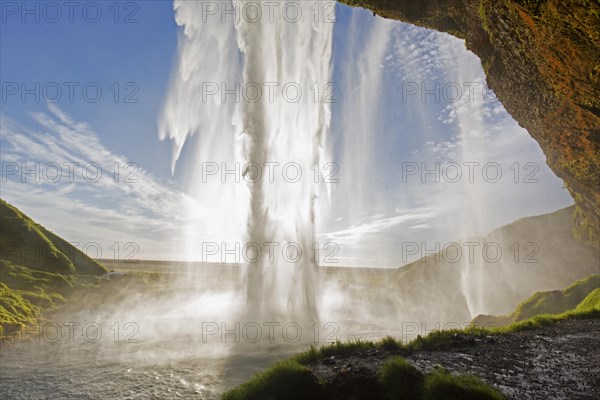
[[37, 269], [581, 295], [24, 242]]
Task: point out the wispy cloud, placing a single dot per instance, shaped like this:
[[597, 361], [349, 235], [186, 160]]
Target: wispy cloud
[[426, 109], [63, 176], [375, 225]]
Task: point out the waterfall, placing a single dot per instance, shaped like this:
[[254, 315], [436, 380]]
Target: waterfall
[[253, 85]]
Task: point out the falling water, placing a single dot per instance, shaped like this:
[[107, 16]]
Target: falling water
[[271, 130], [376, 128]]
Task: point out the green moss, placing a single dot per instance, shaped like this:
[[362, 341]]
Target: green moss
[[440, 384], [547, 319], [591, 302], [26, 292], [291, 379], [439, 339], [540, 303], [284, 380], [38, 269], [390, 343], [23, 278], [338, 349], [24, 242], [534, 7], [557, 301], [400, 379], [484, 18], [15, 311]]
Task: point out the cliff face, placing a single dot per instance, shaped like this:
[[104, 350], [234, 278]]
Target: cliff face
[[542, 59]]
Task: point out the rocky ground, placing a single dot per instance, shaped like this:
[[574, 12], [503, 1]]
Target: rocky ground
[[560, 361]]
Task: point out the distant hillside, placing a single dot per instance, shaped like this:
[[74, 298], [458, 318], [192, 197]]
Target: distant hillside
[[581, 295], [37, 269], [548, 258], [24, 242]]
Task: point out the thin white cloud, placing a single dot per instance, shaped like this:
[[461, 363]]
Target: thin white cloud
[[406, 116], [128, 206]]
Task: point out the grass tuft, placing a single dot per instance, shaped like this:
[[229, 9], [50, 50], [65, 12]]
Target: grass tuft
[[590, 303], [390, 343], [400, 379], [336, 349], [284, 380], [440, 384]]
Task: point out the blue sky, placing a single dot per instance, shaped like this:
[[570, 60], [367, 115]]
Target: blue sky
[[105, 52], [371, 210]]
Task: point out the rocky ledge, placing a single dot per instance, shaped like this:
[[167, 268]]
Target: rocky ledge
[[558, 361]]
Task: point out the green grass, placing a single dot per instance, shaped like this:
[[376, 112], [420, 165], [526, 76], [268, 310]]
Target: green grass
[[591, 302], [292, 379], [390, 343], [15, 311], [337, 349], [33, 293], [43, 289], [38, 269], [284, 380], [541, 303], [23, 278], [587, 309], [437, 339], [25, 292], [400, 379], [440, 384], [557, 301], [24, 242]]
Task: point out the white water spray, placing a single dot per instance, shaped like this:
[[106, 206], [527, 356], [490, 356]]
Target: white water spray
[[267, 72]]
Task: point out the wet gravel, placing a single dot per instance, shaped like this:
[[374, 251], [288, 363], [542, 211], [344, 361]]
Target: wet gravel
[[559, 361]]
